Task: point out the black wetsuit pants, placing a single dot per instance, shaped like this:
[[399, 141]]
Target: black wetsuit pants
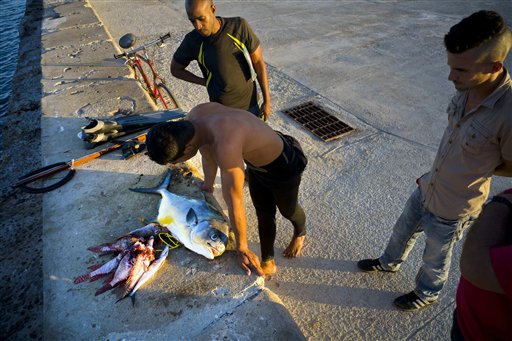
[[271, 190], [266, 196]]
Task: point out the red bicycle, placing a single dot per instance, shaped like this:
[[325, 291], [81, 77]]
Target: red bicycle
[[143, 68]]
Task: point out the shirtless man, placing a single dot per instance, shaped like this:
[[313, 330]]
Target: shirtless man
[[226, 138]]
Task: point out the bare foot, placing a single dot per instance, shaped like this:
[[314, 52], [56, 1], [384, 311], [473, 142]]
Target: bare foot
[[295, 247], [269, 267]]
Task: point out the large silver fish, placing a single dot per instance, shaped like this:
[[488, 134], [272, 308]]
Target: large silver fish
[[195, 223]]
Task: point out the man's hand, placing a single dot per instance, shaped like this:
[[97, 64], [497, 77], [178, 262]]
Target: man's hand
[[179, 71], [265, 111], [248, 260], [202, 186]]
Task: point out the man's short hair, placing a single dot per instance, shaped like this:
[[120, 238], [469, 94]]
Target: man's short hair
[[190, 2], [166, 141], [485, 29]]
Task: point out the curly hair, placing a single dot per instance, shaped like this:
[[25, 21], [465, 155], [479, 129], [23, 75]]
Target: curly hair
[[485, 29], [166, 141]]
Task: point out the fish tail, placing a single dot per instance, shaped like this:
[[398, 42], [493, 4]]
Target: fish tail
[[122, 298], [156, 190], [96, 277], [109, 278], [103, 289], [82, 278], [95, 267], [126, 290]]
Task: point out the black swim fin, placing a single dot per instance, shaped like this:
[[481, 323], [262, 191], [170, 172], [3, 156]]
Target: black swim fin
[[102, 130]]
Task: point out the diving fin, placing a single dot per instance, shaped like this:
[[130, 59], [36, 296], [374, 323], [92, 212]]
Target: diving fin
[[102, 130]]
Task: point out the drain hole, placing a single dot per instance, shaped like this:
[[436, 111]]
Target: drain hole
[[318, 121]]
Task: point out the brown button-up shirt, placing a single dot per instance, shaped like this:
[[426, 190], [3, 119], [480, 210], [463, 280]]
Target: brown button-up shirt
[[473, 145]]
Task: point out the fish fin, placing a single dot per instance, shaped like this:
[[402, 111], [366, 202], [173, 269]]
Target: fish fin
[[122, 298], [192, 217], [95, 278], [212, 207], [95, 267], [81, 278], [153, 190], [156, 190], [132, 297], [108, 287], [110, 277], [103, 289], [167, 179]]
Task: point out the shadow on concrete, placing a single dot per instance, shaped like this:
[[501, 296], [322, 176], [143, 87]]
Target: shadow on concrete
[[316, 263], [358, 291], [342, 296], [170, 314]]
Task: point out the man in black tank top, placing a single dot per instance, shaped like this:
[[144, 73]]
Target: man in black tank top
[[229, 56]]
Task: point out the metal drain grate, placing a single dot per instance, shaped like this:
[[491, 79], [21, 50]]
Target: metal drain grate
[[315, 119]]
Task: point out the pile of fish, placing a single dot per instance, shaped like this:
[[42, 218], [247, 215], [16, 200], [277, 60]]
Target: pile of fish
[[133, 265], [195, 223]]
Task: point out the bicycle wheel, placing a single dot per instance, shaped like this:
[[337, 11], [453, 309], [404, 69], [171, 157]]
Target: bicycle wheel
[[168, 101], [144, 74]]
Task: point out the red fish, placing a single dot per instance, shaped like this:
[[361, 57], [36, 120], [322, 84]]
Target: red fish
[[123, 270], [100, 271], [120, 245], [153, 268], [140, 266]]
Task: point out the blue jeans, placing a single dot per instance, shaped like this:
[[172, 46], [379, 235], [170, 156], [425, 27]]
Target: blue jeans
[[441, 235]]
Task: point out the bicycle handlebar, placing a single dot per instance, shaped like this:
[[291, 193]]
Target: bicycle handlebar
[[165, 37], [160, 40]]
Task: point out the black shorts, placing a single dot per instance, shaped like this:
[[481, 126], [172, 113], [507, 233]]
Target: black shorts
[[291, 162]]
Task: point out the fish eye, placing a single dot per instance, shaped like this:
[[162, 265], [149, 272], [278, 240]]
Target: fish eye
[[214, 237]]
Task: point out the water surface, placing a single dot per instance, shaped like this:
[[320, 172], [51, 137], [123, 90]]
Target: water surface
[[10, 17]]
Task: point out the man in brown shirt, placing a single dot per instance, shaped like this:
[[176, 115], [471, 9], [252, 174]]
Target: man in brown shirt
[[476, 145]]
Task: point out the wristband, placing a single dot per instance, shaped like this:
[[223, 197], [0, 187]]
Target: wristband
[[503, 201]]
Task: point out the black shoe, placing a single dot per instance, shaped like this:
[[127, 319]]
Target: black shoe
[[370, 265], [411, 302]]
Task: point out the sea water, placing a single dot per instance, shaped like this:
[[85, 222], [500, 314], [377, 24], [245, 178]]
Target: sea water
[[11, 13]]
